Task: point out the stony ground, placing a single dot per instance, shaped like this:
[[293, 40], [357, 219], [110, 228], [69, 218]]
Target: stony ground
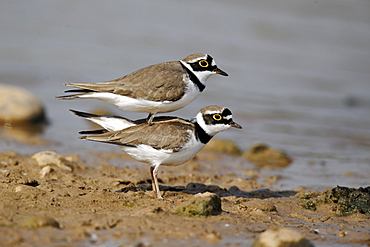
[[49, 200]]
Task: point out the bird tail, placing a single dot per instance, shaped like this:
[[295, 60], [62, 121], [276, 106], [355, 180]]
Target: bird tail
[[109, 123], [83, 89]]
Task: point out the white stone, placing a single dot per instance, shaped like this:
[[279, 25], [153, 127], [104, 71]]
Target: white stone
[[281, 237], [17, 105]]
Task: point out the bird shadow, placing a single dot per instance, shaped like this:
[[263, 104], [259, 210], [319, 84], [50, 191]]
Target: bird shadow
[[195, 188]]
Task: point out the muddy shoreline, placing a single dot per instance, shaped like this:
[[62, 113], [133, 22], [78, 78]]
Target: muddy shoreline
[[75, 204]]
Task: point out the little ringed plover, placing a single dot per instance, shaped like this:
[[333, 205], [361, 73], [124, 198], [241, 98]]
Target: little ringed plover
[[167, 141], [158, 88]]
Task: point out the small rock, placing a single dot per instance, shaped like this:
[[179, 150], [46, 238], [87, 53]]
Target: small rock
[[204, 204], [27, 192], [222, 146], [46, 158], [213, 237], [257, 204], [350, 200], [45, 170], [342, 234], [310, 205], [281, 238], [18, 106], [262, 155], [40, 221], [18, 188], [25, 188], [347, 201]]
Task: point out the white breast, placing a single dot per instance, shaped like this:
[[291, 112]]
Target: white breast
[[145, 153]]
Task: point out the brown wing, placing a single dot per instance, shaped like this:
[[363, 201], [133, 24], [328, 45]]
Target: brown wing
[[158, 82], [161, 135]]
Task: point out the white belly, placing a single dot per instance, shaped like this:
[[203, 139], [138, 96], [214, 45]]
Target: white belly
[[142, 105], [153, 156]]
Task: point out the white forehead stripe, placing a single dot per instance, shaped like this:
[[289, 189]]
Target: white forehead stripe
[[212, 112]]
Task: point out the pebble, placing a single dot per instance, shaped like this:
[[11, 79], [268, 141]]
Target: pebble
[[40, 221], [44, 171], [350, 200], [281, 238], [203, 204], [24, 188], [19, 106], [257, 204], [347, 201], [213, 237], [264, 156], [46, 158]]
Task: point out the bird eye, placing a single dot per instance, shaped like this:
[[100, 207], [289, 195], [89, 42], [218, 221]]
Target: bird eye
[[203, 63], [217, 117]]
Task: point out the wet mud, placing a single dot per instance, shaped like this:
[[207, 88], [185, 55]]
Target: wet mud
[[75, 201]]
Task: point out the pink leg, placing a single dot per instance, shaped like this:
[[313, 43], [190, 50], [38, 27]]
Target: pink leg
[[154, 173]]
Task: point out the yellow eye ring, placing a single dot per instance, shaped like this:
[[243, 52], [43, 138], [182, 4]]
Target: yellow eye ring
[[203, 63], [217, 117]]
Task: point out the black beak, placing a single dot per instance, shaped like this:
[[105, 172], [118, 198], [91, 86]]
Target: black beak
[[220, 72], [235, 125]]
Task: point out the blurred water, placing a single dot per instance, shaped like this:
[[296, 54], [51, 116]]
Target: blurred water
[[299, 71]]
